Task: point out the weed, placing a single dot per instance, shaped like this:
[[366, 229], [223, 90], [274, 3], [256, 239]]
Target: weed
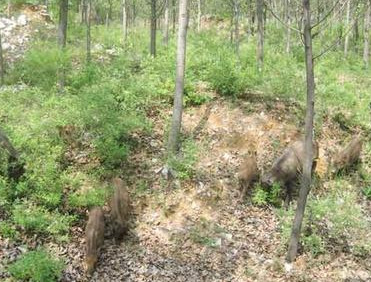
[[37, 266]]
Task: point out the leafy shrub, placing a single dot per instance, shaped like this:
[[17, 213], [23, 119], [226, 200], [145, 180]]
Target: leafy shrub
[[38, 219], [89, 198], [184, 163], [332, 219], [41, 64], [37, 266], [264, 196], [7, 230]]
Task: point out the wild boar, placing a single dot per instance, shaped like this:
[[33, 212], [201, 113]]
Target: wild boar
[[348, 156], [120, 208], [247, 173], [286, 169], [94, 236]]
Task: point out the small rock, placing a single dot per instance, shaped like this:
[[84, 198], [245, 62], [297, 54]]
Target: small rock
[[22, 20]]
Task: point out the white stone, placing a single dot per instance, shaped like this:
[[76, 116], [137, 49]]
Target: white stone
[[22, 20]]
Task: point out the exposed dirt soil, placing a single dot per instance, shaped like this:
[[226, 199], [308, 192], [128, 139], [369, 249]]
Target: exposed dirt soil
[[198, 230]]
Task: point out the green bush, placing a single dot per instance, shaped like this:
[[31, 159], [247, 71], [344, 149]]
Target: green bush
[[184, 163], [335, 218], [41, 64], [8, 230], [90, 198], [37, 219], [37, 266], [263, 196]]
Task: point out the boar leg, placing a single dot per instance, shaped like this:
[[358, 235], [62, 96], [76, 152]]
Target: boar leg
[[243, 190], [288, 198]]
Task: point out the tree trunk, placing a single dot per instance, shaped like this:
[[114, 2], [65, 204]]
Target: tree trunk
[[307, 166], [166, 23], [346, 39], [199, 15], [288, 21], [2, 69], [62, 38], [260, 37], [83, 11], [7, 145], [153, 27], [124, 22], [179, 84], [236, 8], [88, 33], [366, 48], [174, 15], [9, 9]]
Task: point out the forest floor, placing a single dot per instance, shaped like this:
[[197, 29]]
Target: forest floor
[[198, 229]]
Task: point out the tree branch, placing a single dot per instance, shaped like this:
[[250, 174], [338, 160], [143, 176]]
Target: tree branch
[[326, 16], [336, 41], [280, 20]]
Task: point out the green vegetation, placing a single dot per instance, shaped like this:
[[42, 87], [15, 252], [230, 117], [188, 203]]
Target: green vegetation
[[36, 266], [263, 196], [333, 222], [116, 95]]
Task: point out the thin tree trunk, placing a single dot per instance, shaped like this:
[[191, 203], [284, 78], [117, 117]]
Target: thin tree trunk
[[83, 11], [346, 39], [166, 23], [179, 84], [236, 8], [260, 37], [307, 166], [174, 15], [88, 33], [134, 13], [107, 19], [153, 28], [124, 22], [288, 21], [9, 9], [2, 69], [7, 145], [199, 15], [366, 48], [62, 38], [231, 29]]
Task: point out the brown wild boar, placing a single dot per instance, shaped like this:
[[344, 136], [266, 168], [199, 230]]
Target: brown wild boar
[[286, 169], [348, 156], [94, 236], [247, 173], [120, 208]]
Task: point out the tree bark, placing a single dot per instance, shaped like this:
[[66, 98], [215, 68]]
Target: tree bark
[[62, 38], [9, 9], [124, 22], [288, 22], [260, 37], [166, 23], [2, 68], [366, 48], [174, 15], [88, 33], [7, 145], [83, 11], [179, 84], [346, 39], [153, 27], [199, 15], [308, 160], [236, 9]]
